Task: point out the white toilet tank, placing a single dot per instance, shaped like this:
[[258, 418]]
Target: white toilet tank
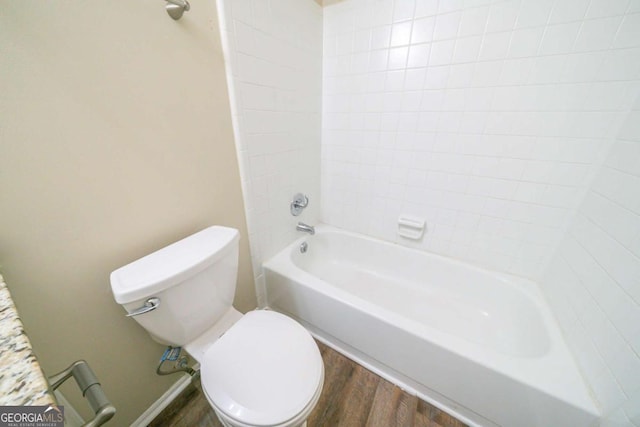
[[194, 278]]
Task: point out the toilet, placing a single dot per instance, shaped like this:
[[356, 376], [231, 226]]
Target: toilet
[[257, 369]]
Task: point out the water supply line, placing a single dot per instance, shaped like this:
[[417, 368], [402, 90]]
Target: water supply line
[[173, 354]]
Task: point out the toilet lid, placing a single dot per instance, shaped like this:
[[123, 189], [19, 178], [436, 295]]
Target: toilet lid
[[263, 371]]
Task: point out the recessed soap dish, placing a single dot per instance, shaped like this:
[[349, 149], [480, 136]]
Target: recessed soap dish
[[411, 227]]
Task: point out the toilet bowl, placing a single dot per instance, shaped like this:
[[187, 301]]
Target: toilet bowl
[[258, 369], [277, 357]]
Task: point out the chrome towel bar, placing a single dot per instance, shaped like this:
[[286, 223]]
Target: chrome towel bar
[[91, 390]]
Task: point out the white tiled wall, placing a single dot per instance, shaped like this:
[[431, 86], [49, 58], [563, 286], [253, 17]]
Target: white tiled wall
[[273, 50], [487, 118], [593, 283]]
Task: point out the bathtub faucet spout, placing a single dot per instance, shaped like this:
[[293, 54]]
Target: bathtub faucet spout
[[306, 228]]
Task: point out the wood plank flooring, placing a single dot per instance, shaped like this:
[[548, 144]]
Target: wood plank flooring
[[352, 397]]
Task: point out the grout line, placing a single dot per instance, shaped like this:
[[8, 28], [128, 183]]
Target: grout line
[[622, 245], [615, 202]]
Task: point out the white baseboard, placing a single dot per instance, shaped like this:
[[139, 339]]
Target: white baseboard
[[164, 401]]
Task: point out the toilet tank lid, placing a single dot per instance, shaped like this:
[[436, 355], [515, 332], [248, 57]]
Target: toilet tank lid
[[172, 264]]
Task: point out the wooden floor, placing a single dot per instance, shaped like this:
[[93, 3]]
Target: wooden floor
[[352, 397]]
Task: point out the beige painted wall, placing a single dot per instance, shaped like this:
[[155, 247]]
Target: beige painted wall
[[115, 140]]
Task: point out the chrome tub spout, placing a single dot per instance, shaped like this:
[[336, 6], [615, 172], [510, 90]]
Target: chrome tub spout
[[306, 228]]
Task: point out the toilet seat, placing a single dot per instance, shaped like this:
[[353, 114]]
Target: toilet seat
[[266, 370]]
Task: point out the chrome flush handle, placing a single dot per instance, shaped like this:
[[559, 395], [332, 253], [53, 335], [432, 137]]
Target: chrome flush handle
[[149, 305]]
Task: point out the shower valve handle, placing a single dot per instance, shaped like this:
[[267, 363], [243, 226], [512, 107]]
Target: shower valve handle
[[299, 202]]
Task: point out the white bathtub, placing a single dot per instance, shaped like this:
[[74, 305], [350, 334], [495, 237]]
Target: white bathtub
[[480, 345]]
